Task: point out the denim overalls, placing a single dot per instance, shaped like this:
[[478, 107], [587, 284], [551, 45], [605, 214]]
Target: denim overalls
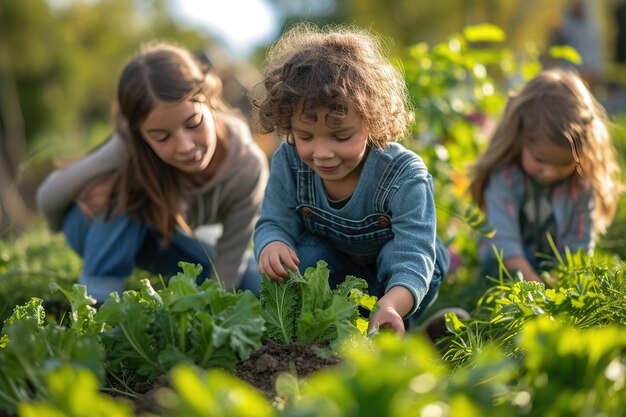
[[356, 247]]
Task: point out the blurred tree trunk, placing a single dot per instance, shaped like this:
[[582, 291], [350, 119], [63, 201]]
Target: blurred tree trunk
[[15, 216]]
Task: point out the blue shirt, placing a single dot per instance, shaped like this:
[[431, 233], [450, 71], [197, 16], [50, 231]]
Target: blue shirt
[[391, 214]]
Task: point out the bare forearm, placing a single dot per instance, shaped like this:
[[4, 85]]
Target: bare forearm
[[393, 306], [520, 263], [398, 298]]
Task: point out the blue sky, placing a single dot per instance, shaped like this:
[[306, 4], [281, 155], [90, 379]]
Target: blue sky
[[240, 24]]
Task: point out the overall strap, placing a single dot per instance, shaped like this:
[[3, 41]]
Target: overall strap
[[305, 178], [389, 176]]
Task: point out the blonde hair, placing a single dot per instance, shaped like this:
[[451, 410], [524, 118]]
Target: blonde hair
[[556, 106], [310, 68]]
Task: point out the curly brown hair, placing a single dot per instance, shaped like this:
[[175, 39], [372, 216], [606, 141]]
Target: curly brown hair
[[336, 67]]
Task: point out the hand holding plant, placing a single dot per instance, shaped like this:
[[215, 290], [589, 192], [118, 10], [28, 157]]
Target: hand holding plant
[[276, 259]]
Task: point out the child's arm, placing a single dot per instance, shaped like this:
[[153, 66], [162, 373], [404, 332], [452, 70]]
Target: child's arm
[[503, 196], [239, 207], [275, 257], [279, 227], [62, 186], [394, 305], [521, 264], [579, 231]]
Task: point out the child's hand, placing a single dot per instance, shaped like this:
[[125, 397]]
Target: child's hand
[[391, 308], [275, 258], [387, 318]]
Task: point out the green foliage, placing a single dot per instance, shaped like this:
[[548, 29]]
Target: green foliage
[[31, 349], [614, 240], [567, 53], [583, 290], [74, 393], [28, 264], [459, 88], [303, 308], [564, 371], [573, 372], [212, 393], [147, 332], [400, 377]]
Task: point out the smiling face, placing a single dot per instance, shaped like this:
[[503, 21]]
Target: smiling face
[[548, 163], [335, 152], [182, 134]]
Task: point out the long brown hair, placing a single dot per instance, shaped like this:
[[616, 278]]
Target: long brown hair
[[148, 189], [556, 106]]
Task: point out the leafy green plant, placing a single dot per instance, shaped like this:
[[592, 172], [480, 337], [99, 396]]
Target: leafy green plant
[[303, 308], [31, 349], [74, 393], [28, 264], [212, 393], [573, 372], [562, 371], [401, 377], [582, 289], [148, 332]]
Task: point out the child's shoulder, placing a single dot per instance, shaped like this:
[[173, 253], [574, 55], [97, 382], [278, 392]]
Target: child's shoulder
[[399, 155], [509, 173]]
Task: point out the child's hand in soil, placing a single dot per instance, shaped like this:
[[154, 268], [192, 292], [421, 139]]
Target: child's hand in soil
[[392, 307], [386, 318], [275, 258]]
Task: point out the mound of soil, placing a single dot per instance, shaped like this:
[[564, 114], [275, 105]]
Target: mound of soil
[[264, 365]]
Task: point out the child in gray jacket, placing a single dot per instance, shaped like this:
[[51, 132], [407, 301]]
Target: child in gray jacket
[[178, 159], [549, 169]]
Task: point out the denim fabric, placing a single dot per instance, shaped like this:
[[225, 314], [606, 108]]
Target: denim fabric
[[386, 232], [312, 248], [112, 248]]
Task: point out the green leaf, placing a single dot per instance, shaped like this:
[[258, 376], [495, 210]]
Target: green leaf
[[215, 393], [484, 32], [280, 303], [82, 315], [315, 290], [75, 393], [565, 52], [130, 343], [240, 326]]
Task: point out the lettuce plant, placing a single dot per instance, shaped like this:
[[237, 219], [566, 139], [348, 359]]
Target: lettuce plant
[[147, 332], [303, 308], [31, 349]]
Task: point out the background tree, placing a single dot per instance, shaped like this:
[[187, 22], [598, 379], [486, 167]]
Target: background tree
[[59, 64]]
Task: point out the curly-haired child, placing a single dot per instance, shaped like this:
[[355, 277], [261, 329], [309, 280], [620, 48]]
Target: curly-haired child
[[341, 189]]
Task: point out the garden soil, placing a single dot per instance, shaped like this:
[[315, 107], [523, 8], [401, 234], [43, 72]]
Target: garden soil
[[262, 368], [259, 371]]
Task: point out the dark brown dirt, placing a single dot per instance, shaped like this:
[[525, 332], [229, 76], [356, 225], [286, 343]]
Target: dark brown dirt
[[262, 368]]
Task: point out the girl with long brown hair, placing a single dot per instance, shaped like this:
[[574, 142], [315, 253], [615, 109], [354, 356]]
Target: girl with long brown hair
[[179, 159]]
